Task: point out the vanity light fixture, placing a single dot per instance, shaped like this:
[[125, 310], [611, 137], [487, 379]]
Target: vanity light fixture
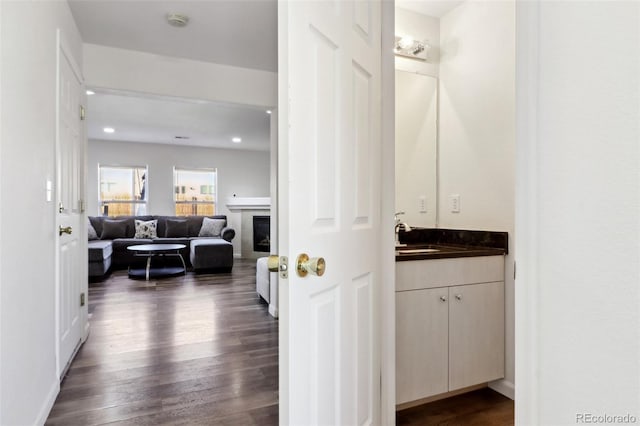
[[236, 140], [410, 48], [108, 130], [90, 92]]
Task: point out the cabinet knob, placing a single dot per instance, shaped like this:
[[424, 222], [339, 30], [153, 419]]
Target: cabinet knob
[[443, 299], [458, 296]]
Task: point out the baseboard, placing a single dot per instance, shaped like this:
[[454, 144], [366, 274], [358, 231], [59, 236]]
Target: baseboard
[[48, 403], [273, 310], [504, 387]]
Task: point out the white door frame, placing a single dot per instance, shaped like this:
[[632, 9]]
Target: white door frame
[[526, 229], [388, 202]]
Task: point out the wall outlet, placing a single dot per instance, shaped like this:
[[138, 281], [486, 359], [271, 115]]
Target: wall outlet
[[422, 204], [455, 203]]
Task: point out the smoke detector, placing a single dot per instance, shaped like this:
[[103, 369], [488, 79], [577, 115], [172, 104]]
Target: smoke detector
[[177, 19]]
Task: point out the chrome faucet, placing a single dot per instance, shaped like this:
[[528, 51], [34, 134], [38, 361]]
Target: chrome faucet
[[400, 225]]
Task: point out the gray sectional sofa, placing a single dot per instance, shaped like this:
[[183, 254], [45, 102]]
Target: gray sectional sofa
[[202, 253]]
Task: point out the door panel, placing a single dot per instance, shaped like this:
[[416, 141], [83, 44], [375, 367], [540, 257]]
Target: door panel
[[422, 336], [476, 334], [69, 170], [329, 180]]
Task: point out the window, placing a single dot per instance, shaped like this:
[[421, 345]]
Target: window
[[123, 190], [194, 192]]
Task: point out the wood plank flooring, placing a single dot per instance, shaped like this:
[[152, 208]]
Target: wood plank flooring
[[195, 349], [483, 407], [201, 350]]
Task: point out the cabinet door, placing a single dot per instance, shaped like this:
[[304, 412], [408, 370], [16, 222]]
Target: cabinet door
[[421, 343], [476, 334]]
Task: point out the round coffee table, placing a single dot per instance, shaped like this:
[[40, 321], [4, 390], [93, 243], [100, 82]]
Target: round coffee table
[[157, 250]]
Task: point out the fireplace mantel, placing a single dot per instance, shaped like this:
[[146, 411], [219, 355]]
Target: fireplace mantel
[[248, 203]]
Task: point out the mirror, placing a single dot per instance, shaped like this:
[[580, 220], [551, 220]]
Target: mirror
[[416, 148]]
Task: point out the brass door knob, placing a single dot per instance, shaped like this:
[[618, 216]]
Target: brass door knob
[[273, 263], [64, 230], [305, 264]]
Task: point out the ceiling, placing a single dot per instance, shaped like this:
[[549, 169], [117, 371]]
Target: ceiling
[[240, 33], [152, 119], [436, 8]]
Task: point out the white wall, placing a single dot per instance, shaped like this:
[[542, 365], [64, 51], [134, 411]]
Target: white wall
[[27, 312], [244, 173], [132, 71], [477, 129], [420, 27], [578, 211]]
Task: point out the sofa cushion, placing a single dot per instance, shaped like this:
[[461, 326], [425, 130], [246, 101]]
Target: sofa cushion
[[146, 229], [91, 231], [175, 228], [194, 223], [211, 227], [112, 229], [99, 250]]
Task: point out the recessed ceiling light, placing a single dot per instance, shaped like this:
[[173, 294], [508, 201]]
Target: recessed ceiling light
[[236, 140], [109, 130], [268, 111], [90, 92]]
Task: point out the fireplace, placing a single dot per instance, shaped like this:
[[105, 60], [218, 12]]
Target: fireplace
[[262, 233]]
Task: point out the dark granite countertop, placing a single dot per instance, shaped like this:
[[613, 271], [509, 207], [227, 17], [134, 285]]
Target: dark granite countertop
[[432, 243]]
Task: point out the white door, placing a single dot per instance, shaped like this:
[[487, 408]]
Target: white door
[[69, 166], [329, 206]]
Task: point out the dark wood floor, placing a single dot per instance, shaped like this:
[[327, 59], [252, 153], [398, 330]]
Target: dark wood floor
[[198, 349], [201, 350], [483, 407]]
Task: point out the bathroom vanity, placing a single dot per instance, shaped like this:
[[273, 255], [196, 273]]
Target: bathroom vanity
[[449, 315]]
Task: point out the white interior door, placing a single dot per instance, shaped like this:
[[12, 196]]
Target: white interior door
[[329, 206], [70, 163]]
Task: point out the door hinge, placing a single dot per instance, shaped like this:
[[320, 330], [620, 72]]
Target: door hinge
[[514, 271], [81, 299], [81, 205], [82, 113]]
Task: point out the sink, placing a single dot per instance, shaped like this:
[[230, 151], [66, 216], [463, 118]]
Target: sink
[[418, 251]]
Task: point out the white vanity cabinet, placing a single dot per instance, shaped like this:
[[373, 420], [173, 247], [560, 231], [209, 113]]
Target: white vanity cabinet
[[449, 325]]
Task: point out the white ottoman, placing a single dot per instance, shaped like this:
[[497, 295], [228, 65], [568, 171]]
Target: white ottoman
[[262, 279]]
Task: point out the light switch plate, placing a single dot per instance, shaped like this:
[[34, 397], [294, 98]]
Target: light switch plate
[[455, 203], [422, 204]]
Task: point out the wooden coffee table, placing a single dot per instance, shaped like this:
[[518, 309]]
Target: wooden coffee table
[[157, 250]]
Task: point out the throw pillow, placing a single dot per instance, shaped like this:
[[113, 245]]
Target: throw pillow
[[146, 229], [91, 231], [112, 229], [211, 227], [175, 228]]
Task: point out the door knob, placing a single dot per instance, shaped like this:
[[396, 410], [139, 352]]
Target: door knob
[[273, 263], [64, 230], [305, 264]]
